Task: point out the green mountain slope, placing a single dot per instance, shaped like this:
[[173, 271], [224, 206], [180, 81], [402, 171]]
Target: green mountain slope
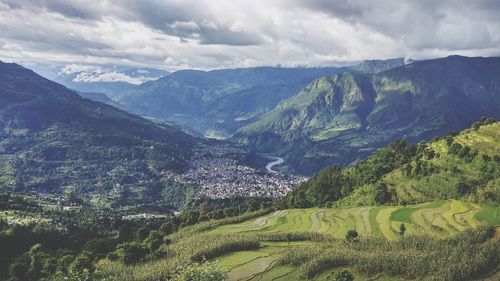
[[217, 103], [458, 166], [100, 98], [53, 140], [344, 118]]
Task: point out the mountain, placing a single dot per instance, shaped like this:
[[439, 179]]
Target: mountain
[[216, 103], [112, 81], [458, 166], [100, 98], [53, 140], [376, 66], [343, 118]]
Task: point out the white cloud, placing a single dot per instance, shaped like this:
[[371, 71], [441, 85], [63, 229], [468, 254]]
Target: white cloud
[[89, 77], [208, 34]]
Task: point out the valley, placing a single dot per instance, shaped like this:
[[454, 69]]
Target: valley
[[249, 140], [277, 161]]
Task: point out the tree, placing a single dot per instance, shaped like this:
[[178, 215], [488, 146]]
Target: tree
[[18, 271], [351, 236], [252, 205], [81, 263], [125, 233], [382, 194], [167, 227], [204, 209], [402, 229], [344, 275], [154, 240], [130, 253], [142, 233]]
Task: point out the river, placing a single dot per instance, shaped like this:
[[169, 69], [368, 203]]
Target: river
[[270, 165]]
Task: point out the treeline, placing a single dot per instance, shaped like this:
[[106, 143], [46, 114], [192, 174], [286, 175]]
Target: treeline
[[414, 161], [70, 249]]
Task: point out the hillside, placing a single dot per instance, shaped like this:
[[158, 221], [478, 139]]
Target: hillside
[[369, 225], [311, 244], [343, 118], [458, 166], [216, 103], [52, 140], [100, 98]]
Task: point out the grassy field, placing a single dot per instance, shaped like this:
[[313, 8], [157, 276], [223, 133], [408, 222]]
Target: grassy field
[[440, 219]]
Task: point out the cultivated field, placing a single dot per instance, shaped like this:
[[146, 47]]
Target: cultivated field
[[440, 219]]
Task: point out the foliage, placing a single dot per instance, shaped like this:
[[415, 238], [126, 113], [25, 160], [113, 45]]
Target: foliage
[[208, 271], [460, 166]]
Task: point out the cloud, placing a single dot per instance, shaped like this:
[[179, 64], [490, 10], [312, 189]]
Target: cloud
[[93, 73], [89, 77], [208, 34]]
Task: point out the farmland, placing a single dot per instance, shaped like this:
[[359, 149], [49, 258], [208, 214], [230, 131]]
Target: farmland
[[439, 219]]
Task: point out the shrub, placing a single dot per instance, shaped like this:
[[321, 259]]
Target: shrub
[[208, 271], [351, 236], [344, 275]]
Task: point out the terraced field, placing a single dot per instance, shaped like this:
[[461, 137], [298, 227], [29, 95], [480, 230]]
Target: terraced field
[[439, 218]]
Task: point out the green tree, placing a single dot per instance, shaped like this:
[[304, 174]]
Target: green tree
[[82, 262], [142, 233], [402, 229], [204, 209], [130, 253], [351, 235], [125, 233], [344, 275], [18, 271]]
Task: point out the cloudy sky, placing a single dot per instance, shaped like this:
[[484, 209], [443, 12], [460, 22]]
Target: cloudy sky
[[209, 34]]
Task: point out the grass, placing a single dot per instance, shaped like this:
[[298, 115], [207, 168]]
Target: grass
[[298, 243], [438, 218], [489, 214]]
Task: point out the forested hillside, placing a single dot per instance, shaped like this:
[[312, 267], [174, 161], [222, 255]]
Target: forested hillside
[[458, 166], [52, 140], [344, 118]]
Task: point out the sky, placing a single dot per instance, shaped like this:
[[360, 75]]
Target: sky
[[214, 34]]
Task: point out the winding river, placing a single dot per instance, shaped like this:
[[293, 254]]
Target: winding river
[[276, 161]]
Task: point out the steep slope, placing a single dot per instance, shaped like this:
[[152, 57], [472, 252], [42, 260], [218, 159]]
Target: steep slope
[[53, 140], [458, 166], [415, 102], [100, 98], [217, 103]]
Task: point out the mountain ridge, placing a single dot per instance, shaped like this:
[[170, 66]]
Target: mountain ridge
[[414, 101], [51, 139]]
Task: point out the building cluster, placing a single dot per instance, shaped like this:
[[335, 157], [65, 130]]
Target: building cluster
[[219, 174]]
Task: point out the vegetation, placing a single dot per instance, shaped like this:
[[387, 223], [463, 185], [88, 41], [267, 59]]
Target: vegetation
[[344, 118], [53, 141], [457, 166], [464, 256]]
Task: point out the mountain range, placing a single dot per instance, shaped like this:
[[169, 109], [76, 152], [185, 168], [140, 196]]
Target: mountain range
[[343, 118], [51, 139], [219, 102]]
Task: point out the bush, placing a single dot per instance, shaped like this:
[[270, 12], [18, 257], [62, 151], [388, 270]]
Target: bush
[[208, 271], [351, 236], [130, 253], [344, 275]]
